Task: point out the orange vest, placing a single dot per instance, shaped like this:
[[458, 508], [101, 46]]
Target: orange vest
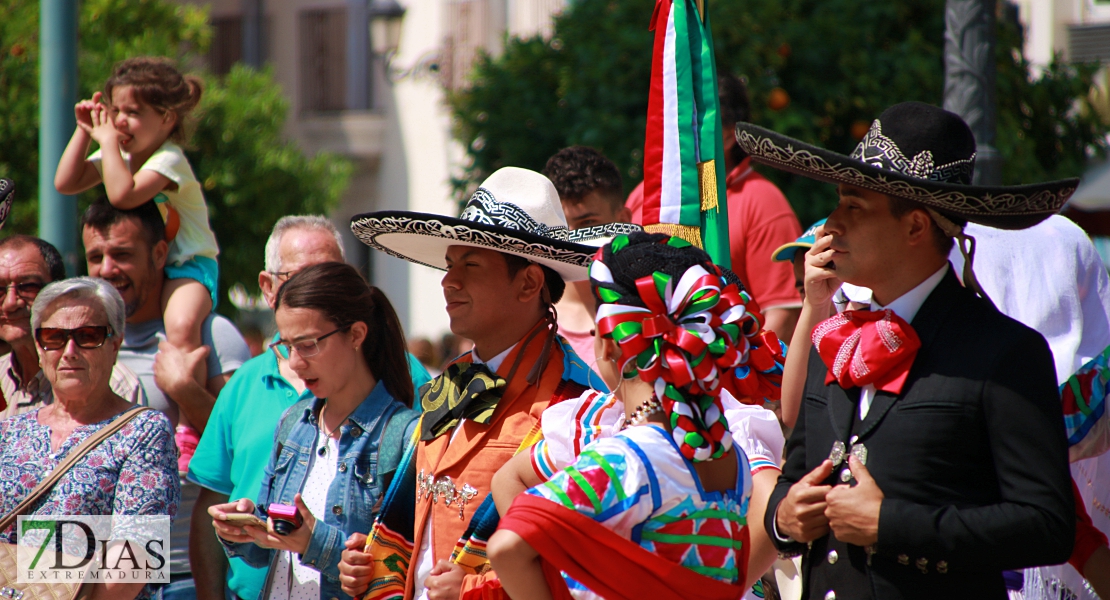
[[477, 451]]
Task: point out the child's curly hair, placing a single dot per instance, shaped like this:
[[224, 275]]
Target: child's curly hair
[[157, 83]]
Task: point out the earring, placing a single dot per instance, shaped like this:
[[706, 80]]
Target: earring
[[620, 373]]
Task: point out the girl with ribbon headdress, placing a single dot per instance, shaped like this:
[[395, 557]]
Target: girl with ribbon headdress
[[659, 508]]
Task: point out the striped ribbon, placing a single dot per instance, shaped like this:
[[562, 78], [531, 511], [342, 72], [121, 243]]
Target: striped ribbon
[[683, 149]]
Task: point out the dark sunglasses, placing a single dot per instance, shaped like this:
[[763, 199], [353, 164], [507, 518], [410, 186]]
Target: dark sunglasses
[[88, 337]]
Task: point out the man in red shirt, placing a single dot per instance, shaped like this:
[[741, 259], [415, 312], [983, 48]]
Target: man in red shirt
[[590, 189], [759, 220]]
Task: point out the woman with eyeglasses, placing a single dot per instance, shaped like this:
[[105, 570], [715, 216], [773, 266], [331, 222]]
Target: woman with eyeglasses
[[78, 325], [334, 453]]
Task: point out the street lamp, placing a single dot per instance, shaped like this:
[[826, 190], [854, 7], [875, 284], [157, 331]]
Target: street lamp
[[385, 26]]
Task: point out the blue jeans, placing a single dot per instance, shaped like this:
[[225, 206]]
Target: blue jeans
[[182, 589]]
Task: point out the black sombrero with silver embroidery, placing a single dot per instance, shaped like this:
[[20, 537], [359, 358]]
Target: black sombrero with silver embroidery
[[918, 152], [515, 211]]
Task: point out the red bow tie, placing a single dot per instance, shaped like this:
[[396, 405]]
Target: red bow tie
[[867, 346]]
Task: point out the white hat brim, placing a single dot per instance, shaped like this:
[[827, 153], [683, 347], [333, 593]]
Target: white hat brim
[[424, 238]]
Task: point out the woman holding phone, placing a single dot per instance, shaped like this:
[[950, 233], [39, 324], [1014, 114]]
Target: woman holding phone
[[325, 476]]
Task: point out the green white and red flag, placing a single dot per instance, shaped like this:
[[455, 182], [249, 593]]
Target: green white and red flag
[[683, 150]]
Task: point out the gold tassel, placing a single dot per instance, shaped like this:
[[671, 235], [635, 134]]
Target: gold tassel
[[707, 178], [687, 232]]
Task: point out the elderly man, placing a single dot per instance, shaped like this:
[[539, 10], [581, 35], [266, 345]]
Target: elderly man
[[27, 264], [128, 249], [236, 445], [929, 451]]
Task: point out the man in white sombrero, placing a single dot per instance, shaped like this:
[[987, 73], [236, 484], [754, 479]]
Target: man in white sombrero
[[928, 454], [507, 258]]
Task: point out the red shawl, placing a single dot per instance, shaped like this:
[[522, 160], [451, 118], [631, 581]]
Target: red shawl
[[611, 566]]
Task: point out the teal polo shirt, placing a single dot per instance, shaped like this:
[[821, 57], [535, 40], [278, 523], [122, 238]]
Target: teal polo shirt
[[232, 455]]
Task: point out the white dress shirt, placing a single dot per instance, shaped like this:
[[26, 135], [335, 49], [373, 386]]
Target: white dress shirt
[[906, 306]]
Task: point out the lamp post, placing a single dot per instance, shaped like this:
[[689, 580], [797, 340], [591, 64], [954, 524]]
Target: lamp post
[[385, 27], [969, 79], [386, 17], [57, 94]]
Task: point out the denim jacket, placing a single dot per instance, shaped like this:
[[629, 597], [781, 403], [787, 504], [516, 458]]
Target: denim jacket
[[352, 498]]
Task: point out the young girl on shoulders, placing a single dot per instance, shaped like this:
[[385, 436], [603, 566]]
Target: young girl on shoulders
[[138, 122]]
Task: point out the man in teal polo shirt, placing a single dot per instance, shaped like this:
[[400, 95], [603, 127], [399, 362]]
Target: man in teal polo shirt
[[237, 443]]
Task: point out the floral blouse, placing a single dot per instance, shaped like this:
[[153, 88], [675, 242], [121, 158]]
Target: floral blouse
[[134, 472]]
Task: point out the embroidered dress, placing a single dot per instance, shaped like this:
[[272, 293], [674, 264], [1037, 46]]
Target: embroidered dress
[[570, 426], [134, 472], [639, 485]]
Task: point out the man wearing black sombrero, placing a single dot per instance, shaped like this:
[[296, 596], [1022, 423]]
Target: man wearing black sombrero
[[507, 258], [928, 454]]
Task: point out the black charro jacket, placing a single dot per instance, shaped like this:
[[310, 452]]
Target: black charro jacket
[[971, 458]]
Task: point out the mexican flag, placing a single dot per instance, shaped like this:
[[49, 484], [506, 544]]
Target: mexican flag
[[683, 153]]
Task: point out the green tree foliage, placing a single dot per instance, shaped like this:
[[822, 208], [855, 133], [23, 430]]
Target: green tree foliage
[[835, 64], [251, 174], [109, 30]]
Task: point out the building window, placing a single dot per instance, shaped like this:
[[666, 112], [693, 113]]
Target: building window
[[467, 26], [1089, 42], [323, 59], [227, 44]]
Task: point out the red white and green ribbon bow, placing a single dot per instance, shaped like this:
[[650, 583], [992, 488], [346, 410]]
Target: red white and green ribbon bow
[[692, 338]]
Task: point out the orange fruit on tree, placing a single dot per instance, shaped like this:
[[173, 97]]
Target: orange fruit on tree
[[778, 99]]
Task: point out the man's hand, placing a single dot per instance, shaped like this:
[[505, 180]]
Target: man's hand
[[175, 371], [853, 511], [445, 581], [820, 280], [355, 566], [801, 514]]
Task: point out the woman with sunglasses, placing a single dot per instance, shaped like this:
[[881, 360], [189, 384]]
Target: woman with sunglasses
[[77, 325], [344, 340]]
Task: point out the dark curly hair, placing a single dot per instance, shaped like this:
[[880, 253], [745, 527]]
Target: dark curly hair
[[578, 170]]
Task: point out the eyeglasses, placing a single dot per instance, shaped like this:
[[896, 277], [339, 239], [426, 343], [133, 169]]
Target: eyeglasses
[[27, 290], [305, 348], [283, 274], [88, 337]]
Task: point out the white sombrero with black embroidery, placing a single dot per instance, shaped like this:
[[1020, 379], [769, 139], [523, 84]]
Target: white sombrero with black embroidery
[[515, 211], [918, 152]]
